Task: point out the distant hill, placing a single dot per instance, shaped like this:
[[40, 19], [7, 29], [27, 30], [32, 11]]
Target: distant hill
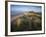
[[27, 21], [13, 13]]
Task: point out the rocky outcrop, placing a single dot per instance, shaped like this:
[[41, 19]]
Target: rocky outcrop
[[27, 22]]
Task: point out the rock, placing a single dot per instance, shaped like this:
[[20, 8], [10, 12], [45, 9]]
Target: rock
[[27, 22]]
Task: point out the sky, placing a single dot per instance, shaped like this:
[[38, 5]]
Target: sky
[[22, 8]]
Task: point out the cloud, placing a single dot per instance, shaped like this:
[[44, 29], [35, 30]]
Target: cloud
[[25, 8]]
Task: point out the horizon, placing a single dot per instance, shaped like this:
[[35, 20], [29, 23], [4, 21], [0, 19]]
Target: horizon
[[15, 9]]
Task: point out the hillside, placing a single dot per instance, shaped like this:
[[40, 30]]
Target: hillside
[[27, 21]]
